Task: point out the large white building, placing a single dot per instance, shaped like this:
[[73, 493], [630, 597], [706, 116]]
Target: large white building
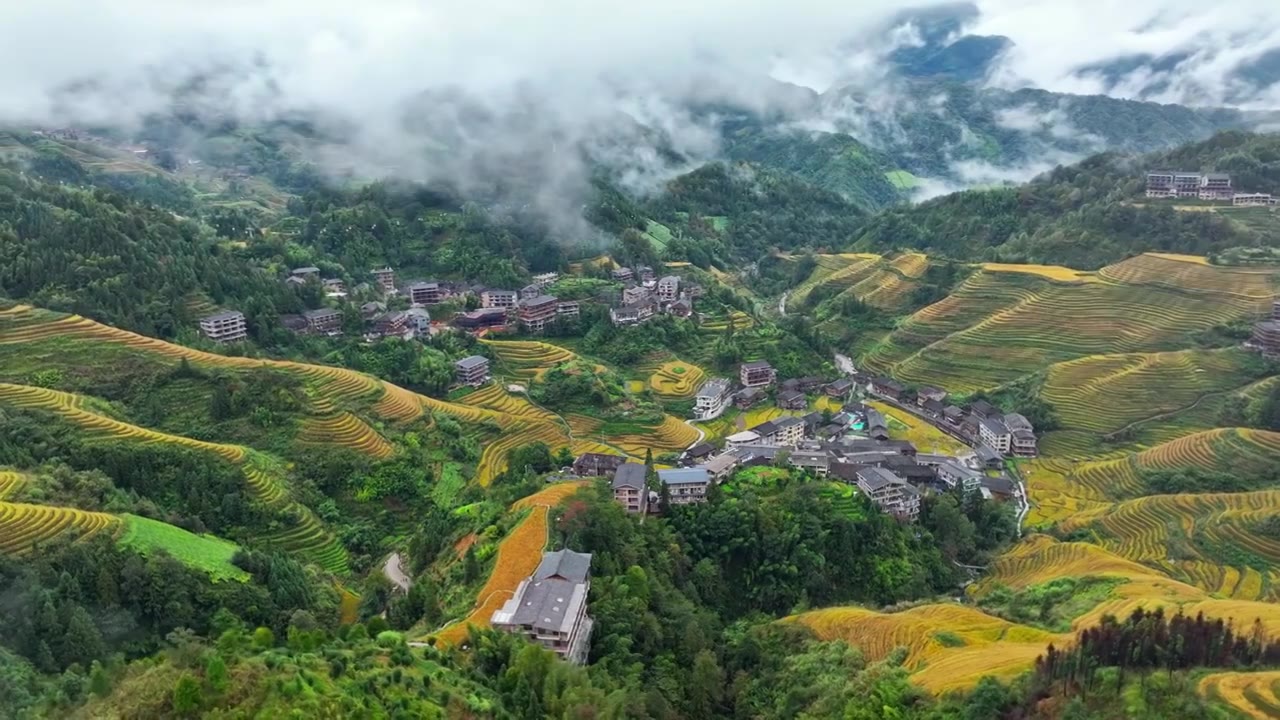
[[224, 327], [712, 399]]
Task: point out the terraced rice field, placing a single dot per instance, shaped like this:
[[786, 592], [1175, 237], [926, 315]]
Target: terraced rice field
[[493, 461], [1062, 488], [1256, 694], [527, 360], [889, 286], [347, 430], [671, 436], [23, 526], [1195, 538], [1056, 273], [263, 474], [677, 379], [843, 270], [998, 326], [1099, 395], [10, 483], [495, 397], [715, 324], [518, 556], [991, 646]]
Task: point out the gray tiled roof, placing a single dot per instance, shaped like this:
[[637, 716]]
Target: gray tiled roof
[[566, 564], [471, 361], [876, 478], [629, 475]]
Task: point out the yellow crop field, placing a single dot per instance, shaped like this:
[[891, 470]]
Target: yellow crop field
[[677, 379], [495, 397], [1195, 538], [1056, 273], [346, 430], [1040, 558], [527, 360], [989, 645], [740, 320], [671, 436], [926, 437], [843, 270], [1255, 694], [23, 526], [10, 483], [1192, 273], [998, 326], [518, 556]]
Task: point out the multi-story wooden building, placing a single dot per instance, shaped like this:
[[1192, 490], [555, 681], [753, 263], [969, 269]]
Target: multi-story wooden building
[[550, 607], [224, 327]]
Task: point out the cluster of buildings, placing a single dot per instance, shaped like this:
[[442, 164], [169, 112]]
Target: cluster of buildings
[[550, 606], [645, 297], [1201, 186], [853, 446], [1266, 334], [755, 379], [980, 424]]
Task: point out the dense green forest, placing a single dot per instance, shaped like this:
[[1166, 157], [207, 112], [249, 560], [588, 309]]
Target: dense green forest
[[1087, 215]]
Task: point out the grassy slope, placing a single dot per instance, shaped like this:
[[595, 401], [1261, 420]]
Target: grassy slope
[[206, 552]]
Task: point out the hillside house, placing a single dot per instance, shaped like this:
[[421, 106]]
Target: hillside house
[[306, 273], [550, 607], [538, 312], [891, 493], [982, 408], [530, 291], [372, 309], [722, 466], [712, 399], [543, 280], [952, 415], [745, 437], [792, 400], [491, 318], [928, 393], [427, 293], [644, 274], [1252, 200], [391, 324], [635, 313], [987, 457], [1023, 440], [839, 388], [758, 373], [494, 298], [386, 279], [597, 464], [324, 321], [686, 485], [816, 461], [1001, 488], [681, 308], [634, 294], [877, 428], [748, 397], [1266, 334], [933, 408], [224, 327], [418, 320], [472, 370], [953, 473], [887, 387], [568, 309], [669, 289], [629, 489], [622, 274], [1215, 186], [334, 287], [701, 452]]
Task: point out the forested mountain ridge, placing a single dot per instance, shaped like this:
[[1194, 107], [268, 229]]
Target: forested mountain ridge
[[1090, 214]]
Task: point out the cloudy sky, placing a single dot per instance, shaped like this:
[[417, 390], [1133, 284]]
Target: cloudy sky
[[550, 74], [368, 56]]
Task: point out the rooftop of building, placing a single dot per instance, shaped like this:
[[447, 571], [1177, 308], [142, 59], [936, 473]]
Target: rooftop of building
[[564, 564], [224, 315], [629, 475], [684, 476], [471, 361]]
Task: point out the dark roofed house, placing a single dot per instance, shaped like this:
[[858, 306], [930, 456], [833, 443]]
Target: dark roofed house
[[877, 428], [564, 565], [953, 415], [697, 453], [930, 393], [887, 387], [1001, 488], [757, 373], [293, 323], [593, 464], [323, 321], [629, 489], [840, 388], [472, 370], [686, 485], [747, 397], [982, 408], [932, 408], [988, 457], [792, 400]]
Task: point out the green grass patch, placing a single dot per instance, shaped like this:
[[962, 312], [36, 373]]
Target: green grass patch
[[1052, 605], [902, 179], [205, 552], [659, 235], [949, 639], [451, 482]]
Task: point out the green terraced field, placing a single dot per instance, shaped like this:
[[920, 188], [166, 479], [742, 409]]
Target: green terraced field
[[206, 552]]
